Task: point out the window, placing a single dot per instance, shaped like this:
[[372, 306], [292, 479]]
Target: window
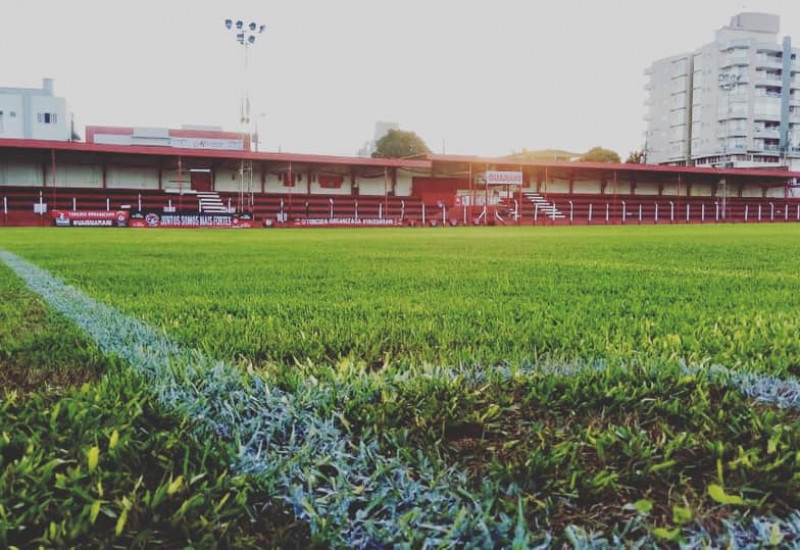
[[46, 118], [1, 122]]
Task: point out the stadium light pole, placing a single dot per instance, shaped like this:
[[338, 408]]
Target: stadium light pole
[[245, 34], [727, 83]]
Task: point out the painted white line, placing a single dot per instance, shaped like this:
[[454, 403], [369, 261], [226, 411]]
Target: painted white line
[[357, 496], [324, 475]]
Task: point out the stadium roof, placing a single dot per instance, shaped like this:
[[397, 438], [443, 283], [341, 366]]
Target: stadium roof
[[516, 164], [430, 162], [149, 150]]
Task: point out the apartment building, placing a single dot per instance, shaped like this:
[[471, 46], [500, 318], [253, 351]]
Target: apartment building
[[732, 103], [34, 113]]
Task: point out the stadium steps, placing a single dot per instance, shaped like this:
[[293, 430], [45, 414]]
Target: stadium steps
[[549, 209], [211, 203]]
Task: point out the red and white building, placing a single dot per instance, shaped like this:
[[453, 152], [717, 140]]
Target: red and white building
[[213, 177]]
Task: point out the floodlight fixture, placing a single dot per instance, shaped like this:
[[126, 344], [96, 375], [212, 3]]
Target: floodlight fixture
[[228, 24], [239, 24], [252, 26]]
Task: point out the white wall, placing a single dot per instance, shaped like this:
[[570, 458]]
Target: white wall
[[555, 186], [124, 177], [586, 187], [58, 130], [12, 119], [403, 186], [374, 186], [672, 188], [230, 181], [647, 188], [275, 185], [19, 174], [75, 175], [701, 189]]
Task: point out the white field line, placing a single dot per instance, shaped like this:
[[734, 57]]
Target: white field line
[[356, 496], [349, 490]]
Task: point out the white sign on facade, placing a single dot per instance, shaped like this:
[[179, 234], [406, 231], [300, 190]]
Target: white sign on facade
[[497, 177], [207, 143]]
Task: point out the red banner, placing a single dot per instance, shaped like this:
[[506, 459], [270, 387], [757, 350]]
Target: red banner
[[89, 218]]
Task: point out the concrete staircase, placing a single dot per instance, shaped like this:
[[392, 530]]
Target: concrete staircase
[[543, 207], [210, 202]]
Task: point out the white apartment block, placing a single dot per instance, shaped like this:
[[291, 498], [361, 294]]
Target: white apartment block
[[33, 113], [732, 103]]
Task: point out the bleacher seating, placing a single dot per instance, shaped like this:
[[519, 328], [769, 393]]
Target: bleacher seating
[[292, 209]]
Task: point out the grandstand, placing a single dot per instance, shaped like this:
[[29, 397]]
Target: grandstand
[[298, 190]]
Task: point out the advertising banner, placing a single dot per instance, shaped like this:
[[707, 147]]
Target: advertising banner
[[346, 222], [192, 220], [496, 177], [89, 218]]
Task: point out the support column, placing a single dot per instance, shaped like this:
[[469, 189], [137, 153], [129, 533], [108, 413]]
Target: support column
[[263, 178]]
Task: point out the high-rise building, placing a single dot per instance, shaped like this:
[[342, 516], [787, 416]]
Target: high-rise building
[[734, 102]]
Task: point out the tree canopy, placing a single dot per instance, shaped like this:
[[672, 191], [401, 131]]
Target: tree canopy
[[635, 157], [544, 154], [598, 154], [400, 144]]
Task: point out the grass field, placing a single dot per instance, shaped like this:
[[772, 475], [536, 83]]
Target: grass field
[[558, 381]]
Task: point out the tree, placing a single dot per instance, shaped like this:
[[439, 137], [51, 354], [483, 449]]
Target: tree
[[635, 157], [400, 144], [598, 154], [558, 155]]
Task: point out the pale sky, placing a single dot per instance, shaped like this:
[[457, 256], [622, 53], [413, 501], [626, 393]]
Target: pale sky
[[482, 77]]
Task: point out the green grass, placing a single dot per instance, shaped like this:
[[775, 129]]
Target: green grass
[[722, 294], [89, 458], [370, 311]]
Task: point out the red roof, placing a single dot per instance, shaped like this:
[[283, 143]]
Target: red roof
[[611, 166], [299, 158]]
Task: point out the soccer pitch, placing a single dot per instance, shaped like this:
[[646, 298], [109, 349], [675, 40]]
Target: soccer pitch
[[531, 385]]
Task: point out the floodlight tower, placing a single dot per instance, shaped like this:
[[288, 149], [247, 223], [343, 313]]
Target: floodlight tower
[[728, 82], [245, 34]]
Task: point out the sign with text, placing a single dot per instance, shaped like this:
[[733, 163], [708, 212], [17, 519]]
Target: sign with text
[[346, 222], [497, 177], [191, 219], [89, 218]]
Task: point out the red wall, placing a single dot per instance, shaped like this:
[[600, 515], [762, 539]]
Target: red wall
[[433, 190]]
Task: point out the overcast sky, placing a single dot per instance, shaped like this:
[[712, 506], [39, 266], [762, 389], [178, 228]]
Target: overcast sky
[[481, 77]]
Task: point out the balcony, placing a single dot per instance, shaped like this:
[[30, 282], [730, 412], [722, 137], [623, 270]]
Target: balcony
[[764, 115], [723, 114], [769, 62], [734, 61], [767, 133], [769, 81]]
